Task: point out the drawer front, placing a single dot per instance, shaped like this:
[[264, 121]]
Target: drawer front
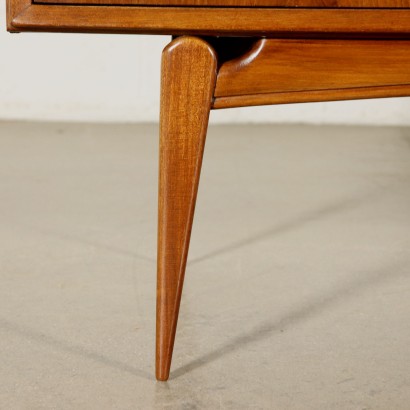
[[246, 3]]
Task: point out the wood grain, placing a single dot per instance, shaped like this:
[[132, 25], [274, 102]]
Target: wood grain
[[311, 96], [216, 21], [324, 64], [13, 9], [188, 79], [247, 3], [278, 66]]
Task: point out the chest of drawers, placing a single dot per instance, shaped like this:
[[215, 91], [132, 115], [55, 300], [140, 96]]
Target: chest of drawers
[[230, 53]]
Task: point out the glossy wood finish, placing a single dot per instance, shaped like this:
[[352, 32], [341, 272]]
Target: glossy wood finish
[[303, 50], [380, 23], [247, 3], [311, 96], [286, 66], [188, 80]]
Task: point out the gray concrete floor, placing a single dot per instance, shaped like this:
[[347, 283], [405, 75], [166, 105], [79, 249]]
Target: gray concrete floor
[[297, 291]]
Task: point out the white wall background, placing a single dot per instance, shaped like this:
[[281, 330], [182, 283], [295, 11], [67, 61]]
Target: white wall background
[[89, 77]]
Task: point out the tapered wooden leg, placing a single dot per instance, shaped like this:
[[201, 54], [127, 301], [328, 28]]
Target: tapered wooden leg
[[188, 79]]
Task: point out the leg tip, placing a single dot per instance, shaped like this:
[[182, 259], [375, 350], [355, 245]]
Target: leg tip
[[162, 376]]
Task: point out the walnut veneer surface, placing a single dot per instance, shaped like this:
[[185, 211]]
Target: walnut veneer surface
[[229, 53], [248, 3], [279, 18]]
